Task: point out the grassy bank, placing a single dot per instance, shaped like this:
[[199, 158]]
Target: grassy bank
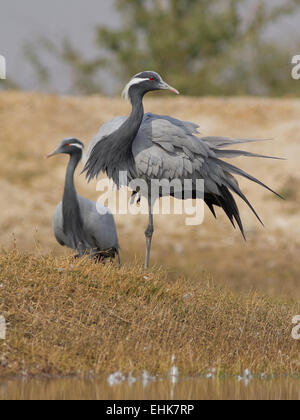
[[30, 187], [74, 317], [67, 317]]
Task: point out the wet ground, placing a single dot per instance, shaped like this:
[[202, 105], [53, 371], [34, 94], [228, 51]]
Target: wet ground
[[118, 387]]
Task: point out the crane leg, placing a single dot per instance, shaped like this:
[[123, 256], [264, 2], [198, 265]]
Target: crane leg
[[119, 258], [148, 234]]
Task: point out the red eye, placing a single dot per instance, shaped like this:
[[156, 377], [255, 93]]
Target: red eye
[[68, 144], [151, 78]]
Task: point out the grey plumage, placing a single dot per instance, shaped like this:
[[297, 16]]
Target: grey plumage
[[161, 147], [77, 223]]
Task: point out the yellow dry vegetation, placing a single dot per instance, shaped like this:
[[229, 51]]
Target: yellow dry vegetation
[[69, 320], [73, 318]]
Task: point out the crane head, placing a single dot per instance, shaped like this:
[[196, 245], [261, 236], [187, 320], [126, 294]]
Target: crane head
[[69, 147], [145, 82]]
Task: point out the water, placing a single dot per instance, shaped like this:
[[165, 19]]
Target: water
[[145, 388]]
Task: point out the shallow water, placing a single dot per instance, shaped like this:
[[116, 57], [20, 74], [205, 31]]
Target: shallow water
[[158, 389]]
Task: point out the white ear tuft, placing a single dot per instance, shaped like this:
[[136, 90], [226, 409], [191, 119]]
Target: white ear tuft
[[79, 146], [125, 93], [134, 81]]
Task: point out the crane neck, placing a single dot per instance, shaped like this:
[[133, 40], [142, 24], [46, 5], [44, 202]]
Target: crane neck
[[72, 220], [132, 125], [117, 152], [70, 190], [113, 154], [137, 112]]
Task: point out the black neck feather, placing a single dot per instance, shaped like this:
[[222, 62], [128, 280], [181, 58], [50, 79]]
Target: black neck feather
[[114, 153], [72, 220]]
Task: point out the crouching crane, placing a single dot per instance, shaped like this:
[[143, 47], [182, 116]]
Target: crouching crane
[[159, 147], [78, 223]]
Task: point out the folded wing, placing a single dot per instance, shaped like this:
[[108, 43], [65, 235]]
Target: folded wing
[[169, 148]]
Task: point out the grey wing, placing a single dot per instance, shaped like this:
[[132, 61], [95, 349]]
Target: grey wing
[[187, 126], [99, 225], [105, 130], [57, 225], [168, 148]]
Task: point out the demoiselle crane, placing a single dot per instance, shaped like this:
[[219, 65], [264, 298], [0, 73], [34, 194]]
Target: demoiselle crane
[[149, 146], [78, 223]]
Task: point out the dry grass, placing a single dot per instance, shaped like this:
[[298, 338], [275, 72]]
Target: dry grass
[[30, 187], [69, 317], [95, 318]]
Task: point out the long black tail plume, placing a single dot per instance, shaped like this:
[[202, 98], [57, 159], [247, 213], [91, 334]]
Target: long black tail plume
[[227, 202], [234, 169]]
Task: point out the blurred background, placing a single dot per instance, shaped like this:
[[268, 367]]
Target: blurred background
[[67, 63], [205, 47]]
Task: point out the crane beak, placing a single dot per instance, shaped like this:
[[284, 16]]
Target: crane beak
[[55, 152], [165, 86]]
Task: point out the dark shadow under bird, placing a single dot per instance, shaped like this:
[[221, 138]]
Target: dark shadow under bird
[[78, 223]]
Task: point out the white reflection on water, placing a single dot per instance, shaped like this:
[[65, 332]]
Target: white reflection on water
[[116, 378], [246, 378], [187, 388], [147, 378]]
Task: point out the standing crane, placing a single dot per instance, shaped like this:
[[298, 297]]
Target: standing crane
[[149, 146], [78, 223]]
